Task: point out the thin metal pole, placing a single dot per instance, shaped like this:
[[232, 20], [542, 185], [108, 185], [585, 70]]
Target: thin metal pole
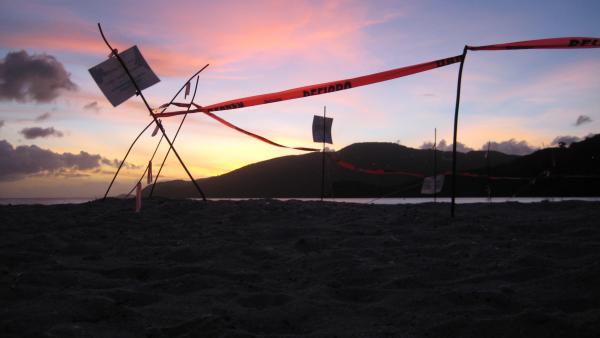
[[125, 158], [137, 88], [174, 138], [434, 165], [323, 157], [460, 70]]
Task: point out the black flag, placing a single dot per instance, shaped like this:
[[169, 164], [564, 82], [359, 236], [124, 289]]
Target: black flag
[[322, 133]]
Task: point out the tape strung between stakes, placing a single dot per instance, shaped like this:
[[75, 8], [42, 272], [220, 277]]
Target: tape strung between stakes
[[258, 137], [551, 43], [315, 89], [351, 166], [564, 43], [328, 87]]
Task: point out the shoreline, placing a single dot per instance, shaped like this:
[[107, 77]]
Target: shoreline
[[360, 200], [270, 268]]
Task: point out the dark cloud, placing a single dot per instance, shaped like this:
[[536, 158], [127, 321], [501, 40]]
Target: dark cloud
[[565, 139], [92, 106], [71, 174], [66, 173], [426, 145], [43, 117], [511, 147], [115, 163], [37, 77], [443, 146], [35, 132], [582, 119], [16, 163]]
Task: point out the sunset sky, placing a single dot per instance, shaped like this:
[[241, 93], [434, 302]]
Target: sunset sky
[[520, 99]]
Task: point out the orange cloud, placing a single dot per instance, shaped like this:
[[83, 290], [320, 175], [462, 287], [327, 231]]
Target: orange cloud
[[58, 40]]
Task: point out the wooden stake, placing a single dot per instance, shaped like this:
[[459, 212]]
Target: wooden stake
[[139, 92], [460, 70], [323, 157]]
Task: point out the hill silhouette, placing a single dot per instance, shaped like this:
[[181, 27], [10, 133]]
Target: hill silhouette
[[561, 171], [547, 172]]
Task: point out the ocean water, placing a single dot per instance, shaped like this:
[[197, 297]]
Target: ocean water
[[44, 201], [418, 200], [366, 200]]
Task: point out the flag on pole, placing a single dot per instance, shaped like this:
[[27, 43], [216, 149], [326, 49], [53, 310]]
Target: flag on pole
[[321, 129]]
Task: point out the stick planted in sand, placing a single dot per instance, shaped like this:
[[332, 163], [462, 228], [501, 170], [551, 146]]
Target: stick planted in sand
[[139, 92]]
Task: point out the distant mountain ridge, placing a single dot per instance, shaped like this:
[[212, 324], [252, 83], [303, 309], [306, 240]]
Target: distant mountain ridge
[[558, 172]]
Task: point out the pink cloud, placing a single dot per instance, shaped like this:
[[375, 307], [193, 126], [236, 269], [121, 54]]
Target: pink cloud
[[277, 33], [175, 40]]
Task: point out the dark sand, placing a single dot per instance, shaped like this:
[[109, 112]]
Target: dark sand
[[299, 269]]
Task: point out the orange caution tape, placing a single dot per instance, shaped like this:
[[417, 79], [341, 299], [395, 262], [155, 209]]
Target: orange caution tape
[[258, 137], [317, 89], [333, 86], [555, 43], [353, 167]]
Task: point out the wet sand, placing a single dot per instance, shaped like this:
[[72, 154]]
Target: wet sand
[[268, 268]]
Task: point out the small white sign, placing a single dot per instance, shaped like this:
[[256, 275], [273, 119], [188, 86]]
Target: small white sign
[[113, 80], [432, 184], [321, 129]]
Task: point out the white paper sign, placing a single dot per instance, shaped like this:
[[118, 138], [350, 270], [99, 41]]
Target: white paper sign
[[431, 184], [322, 133], [113, 80]]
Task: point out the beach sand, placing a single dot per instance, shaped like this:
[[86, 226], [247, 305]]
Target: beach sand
[[268, 268]]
